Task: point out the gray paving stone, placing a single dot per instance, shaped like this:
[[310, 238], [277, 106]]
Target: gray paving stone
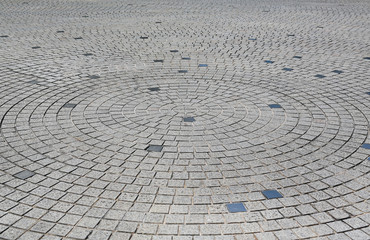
[[86, 89]]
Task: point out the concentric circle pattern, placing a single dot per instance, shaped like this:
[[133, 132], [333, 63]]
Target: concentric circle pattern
[[157, 119]]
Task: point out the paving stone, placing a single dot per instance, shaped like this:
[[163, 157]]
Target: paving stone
[[24, 174], [236, 207], [93, 104]]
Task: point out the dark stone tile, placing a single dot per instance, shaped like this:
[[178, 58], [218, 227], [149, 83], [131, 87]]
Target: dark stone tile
[[366, 145], [338, 71], [291, 35], [288, 69], [202, 65], [183, 71], [367, 58], [154, 148], [94, 76], [69, 105], [320, 27], [78, 38], [154, 89], [4, 36], [185, 58], [252, 39], [265, 11], [33, 82], [236, 207], [36, 47], [298, 57], [368, 93], [174, 50], [159, 60], [143, 37], [320, 76], [270, 194], [158, 22], [275, 106], [88, 54], [85, 16], [189, 119], [269, 61], [24, 174], [60, 31]]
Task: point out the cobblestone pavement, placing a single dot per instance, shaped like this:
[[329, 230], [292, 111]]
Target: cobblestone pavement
[[170, 119]]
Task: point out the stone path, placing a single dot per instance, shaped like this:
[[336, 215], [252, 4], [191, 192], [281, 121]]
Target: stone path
[[171, 119]]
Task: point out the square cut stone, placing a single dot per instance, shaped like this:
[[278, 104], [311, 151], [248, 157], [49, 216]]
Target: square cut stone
[[183, 71], [367, 58], [154, 148], [368, 93], [299, 57], [252, 39], [69, 105], [236, 207], [338, 71], [288, 69], [174, 50], [366, 145], [202, 65], [94, 76], [60, 31], [36, 47], [154, 89], [159, 60], [4, 36], [158, 22], [85, 16], [88, 54], [269, 61], [24, 174], [77, 38], [33, 82], [144, 37], [275, 106], [291, 35], [320, 76], [189, 119], [271, 194], [185, 58]]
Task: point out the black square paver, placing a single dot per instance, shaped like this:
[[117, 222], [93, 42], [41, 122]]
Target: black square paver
[[154, 89], [185, 58], [4, 36], [174, 50], [88, 54], [320, 76], [154, 148], [368, 93], [269, 61], [24, 174], [288, 69], [78, 38], [36, 47], [144, 37], [236, 207], [189, 119], [69, 105], [183, 71], [298, 57], [338, 71], [94, 76], [271, 194], [367, 58], [158, 60], [33, 82], [60, 31], [366, 145], [291, 35], [275, 106], [202, 65], [252, 39]]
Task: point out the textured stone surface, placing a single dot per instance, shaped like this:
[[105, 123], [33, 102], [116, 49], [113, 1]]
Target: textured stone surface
[[87, 86]]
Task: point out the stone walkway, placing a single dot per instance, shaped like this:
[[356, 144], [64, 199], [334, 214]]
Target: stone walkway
[[196, 119]]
